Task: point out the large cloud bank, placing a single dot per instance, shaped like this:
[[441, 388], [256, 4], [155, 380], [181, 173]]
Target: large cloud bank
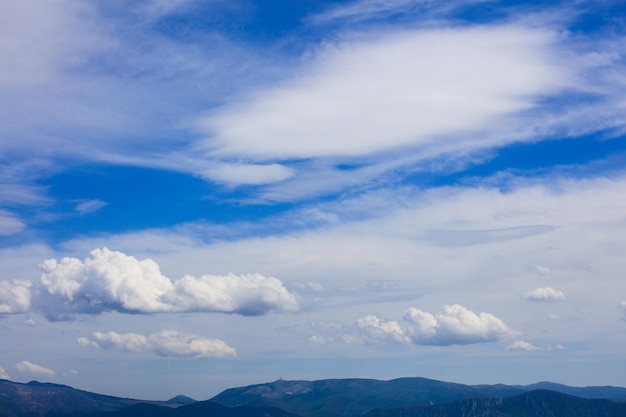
[[113, 281], [163, 343], [366, 97]]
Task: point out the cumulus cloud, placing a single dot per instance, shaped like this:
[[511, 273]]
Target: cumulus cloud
[[546, 294], [4, 374], [113, 281], [163, 343], [382, 330], [15, 296], [455, 325], [31, 368]]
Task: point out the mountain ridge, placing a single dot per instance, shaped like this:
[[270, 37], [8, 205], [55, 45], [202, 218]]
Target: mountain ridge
[[354, 396], [348, 397]]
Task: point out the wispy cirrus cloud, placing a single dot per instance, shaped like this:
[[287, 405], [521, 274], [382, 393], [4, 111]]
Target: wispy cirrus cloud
[[90, 206]]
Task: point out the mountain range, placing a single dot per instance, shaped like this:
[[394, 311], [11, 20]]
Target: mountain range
[[403, 397]]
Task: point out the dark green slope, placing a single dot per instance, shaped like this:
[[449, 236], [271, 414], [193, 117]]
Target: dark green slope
[[347, 397], [540, 403]]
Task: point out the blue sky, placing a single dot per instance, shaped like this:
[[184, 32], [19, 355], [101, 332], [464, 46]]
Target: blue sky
[[196, 195]]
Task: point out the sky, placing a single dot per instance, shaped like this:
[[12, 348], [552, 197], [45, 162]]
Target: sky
[[202, 194]]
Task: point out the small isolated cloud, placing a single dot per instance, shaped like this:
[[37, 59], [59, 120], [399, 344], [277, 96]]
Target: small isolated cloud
[[546, 294], [15, 296], [4, 374], [31, 368], [249, 174], [90, 206], [455, 325], [163, 343], [522, 345], [113, 281], [542, 270], [622, 306]]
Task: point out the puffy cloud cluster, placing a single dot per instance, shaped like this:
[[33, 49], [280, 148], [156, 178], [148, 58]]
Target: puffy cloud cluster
[[4, 374], [15, 296], [455, 325], [546, 294], [163, 343], [113, 281], [31, 368], [382, 330]]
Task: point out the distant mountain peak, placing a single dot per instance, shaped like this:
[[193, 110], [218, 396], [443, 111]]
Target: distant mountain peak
[[181, 399]]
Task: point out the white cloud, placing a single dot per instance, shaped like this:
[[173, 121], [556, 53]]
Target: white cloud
[[381, 330], [402, 89], [529, 347], [248, 174], [523, 345], [363, 9], [251, 294], [163, 343], [4, 374], [107, 280], [113, 281], [10, 224], [15, 297], [546, 294], [360, 10], [31, 368], [542, 270], [90, 206], [455, 325]]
